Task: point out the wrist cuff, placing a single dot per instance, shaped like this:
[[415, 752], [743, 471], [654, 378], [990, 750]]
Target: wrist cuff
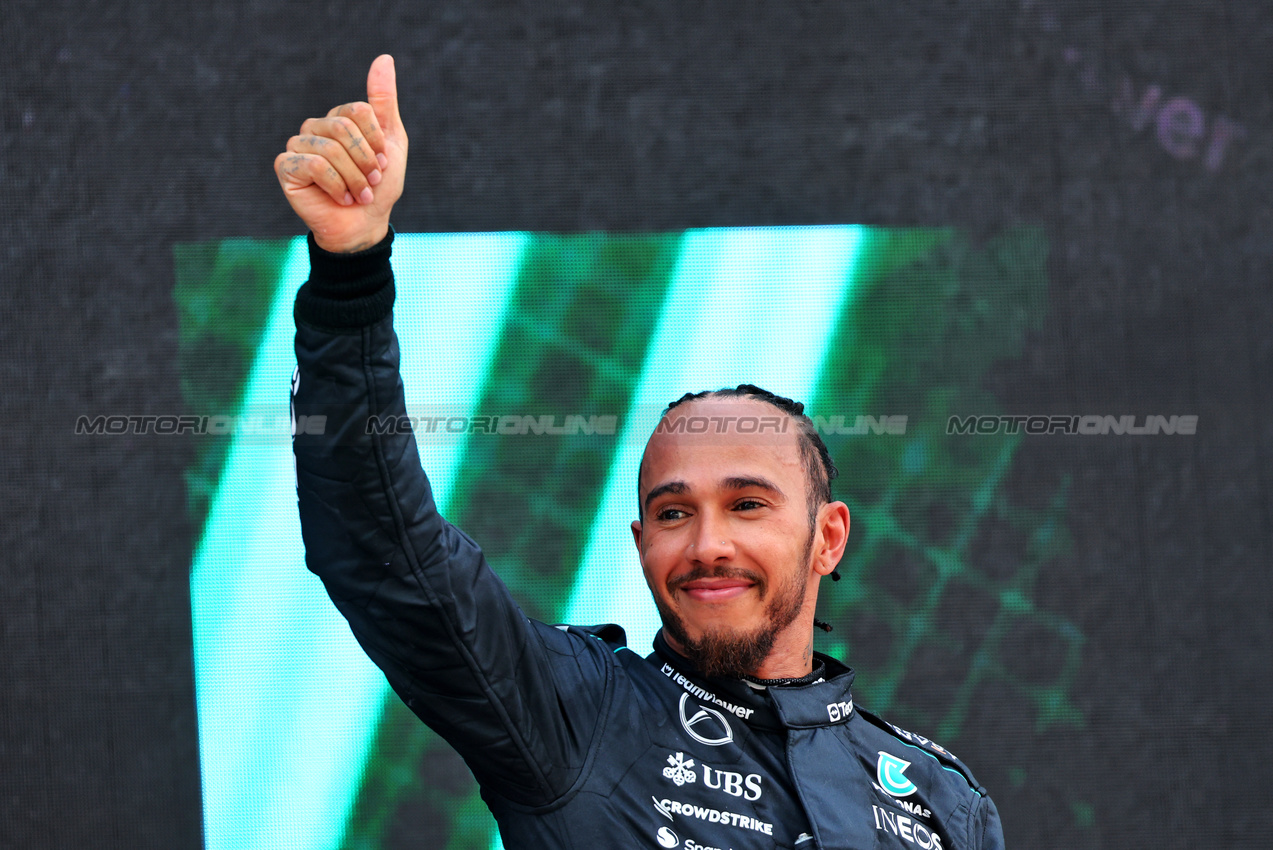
[[347, 291]]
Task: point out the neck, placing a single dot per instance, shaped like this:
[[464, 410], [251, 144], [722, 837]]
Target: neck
[[792, 654], [788, 661]]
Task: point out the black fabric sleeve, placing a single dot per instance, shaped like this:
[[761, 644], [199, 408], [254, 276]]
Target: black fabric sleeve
[[986, 830], [347, 291], [521, 701]]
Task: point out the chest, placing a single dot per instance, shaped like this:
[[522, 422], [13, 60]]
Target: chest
[[690, 773]]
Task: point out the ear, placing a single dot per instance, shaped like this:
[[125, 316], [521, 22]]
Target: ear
[[833, 535], [636, 534]]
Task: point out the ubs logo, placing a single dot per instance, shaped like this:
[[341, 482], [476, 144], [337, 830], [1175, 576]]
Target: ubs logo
[[706, 725]]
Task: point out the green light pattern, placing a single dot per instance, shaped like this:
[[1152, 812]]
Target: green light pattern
[[942, 563], [281, 743], [938, 315], [573, 341], [735, 300]]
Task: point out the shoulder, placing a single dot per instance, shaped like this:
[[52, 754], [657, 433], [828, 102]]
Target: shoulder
[[937, 755], [608, 633], [599, 641]]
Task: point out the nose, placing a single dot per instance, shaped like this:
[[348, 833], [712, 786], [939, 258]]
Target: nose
[[710, 543]]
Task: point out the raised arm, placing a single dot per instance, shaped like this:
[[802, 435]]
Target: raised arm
[[518, 699]]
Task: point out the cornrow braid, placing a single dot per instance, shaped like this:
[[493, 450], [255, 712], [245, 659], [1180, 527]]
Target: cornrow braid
[[813, 451]]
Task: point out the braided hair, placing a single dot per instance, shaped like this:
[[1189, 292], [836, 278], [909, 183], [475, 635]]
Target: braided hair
[[819, 470]]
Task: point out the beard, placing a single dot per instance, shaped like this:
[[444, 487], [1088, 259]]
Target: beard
[[728, 652]]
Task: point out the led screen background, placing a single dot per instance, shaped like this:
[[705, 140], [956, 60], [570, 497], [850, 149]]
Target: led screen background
[[299, 742], [1054, 210]]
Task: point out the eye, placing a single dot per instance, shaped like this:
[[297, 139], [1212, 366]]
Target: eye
[[669, 514], [748, 504]]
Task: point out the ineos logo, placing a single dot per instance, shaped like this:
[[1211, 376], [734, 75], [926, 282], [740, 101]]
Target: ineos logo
[[702, 724]]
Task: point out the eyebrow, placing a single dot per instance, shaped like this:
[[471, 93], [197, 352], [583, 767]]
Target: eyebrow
[[748, 483], [680, 488]]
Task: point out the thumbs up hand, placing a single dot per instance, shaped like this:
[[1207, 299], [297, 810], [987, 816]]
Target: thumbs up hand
[[343, 173]]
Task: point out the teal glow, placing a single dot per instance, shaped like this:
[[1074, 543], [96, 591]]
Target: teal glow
[[288, 703], [287, 700], [289, 707], [743, 306]]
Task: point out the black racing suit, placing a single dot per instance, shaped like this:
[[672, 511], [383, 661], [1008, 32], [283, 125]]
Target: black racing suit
[[576, 741]]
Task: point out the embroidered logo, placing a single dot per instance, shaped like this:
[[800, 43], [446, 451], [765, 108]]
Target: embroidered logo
[[890, 771], [707, 725], [681, 770]]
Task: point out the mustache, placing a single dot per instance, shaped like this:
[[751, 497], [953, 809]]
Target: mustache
[[701, 572]]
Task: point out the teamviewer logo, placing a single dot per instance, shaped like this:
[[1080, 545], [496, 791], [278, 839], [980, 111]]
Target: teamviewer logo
[[838, 711]]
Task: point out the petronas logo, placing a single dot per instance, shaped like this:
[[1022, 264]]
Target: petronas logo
[[890, 771]]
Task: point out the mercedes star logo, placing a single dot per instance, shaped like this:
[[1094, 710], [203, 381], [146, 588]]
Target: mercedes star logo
[[701, 724]]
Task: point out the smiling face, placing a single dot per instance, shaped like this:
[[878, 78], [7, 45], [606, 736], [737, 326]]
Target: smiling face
[[728, 546]]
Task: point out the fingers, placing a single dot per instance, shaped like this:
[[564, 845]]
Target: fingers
[[346, 152], [382, 94], [297, 171], [344, 156], [360, 120]]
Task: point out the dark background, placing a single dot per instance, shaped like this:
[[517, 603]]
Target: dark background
[[130, 127]]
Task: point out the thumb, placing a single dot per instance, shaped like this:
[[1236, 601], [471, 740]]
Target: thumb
[[382, 94]]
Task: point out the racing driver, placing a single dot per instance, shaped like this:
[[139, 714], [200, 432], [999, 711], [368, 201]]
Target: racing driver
[[733, 733]]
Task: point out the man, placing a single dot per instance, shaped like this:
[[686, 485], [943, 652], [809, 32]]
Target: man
[[733, 733]]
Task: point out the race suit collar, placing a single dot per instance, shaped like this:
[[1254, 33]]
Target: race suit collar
[[824, 702]]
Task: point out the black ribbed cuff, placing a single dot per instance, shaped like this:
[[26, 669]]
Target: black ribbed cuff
[[346, 291]]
